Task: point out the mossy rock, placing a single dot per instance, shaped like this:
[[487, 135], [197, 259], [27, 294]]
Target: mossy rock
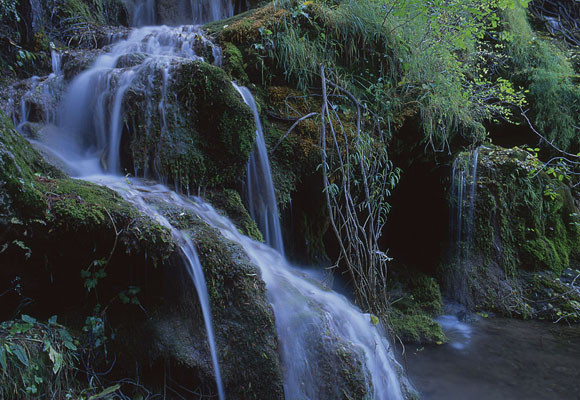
[[416, 301], [245, 28], [234, 62], [417, 328], [230, 202], [242, 316], [523, 220], [209, 130], [66, 224]]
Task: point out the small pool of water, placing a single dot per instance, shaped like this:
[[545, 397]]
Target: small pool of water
[[498, 358]]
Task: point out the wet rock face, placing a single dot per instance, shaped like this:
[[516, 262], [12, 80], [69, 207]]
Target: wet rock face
[[205, 135], [171, 12], [55, 227], [242, 316], [521, 223]]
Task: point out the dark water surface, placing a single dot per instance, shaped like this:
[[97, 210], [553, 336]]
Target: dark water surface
[[498, 358]]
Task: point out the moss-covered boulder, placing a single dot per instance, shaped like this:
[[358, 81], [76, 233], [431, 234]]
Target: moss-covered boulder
[[76, 249], [206, 134], [416, 302], [233, 207], [515, 219]]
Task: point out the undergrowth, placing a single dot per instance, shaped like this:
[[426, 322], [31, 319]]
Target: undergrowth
[[401, 58]]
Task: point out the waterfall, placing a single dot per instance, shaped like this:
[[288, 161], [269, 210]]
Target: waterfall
[[309, 318], [142, 197], [88, 137], [463, 201], [93, 112], [307, 315], [151, 12], [260, 187], [301, 307], [144, 13]]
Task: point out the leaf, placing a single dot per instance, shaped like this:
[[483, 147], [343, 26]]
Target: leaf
[[19, 328], [374, 319], [28, 318], [56, 359], [52, 320], [20, 353]]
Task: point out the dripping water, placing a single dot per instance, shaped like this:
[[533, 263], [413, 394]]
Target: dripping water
[[463, 202]]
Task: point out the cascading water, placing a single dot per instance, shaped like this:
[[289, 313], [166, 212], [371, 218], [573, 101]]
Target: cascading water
[[463, 198], [142, 198], [260, 187], [152, 12], [87, 138], [93, 110], [306, 314]]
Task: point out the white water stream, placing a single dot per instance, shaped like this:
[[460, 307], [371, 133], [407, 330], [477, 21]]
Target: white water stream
[[260, 187], [141, 197], [306, 313], [463, 197]]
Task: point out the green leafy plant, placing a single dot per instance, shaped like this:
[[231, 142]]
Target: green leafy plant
[[37, 360]]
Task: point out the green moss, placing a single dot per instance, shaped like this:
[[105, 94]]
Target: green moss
[[19, 192], [524, 221], [208, 132], [427, 294], [234, 62], [416, 301], [417, 328], [231, 203], [238, 298]]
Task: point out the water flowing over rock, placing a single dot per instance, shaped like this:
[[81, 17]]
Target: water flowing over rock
[[463, 199], [259, 185], [328, 347], [514, 233], [320, 332], [140, 199], [171, 12], [153, 102]]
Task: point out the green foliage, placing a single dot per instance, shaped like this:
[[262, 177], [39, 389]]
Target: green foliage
[[537, 63], [396, 56], [37, 360], [525, 209], [94, 273], [99, 12]]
